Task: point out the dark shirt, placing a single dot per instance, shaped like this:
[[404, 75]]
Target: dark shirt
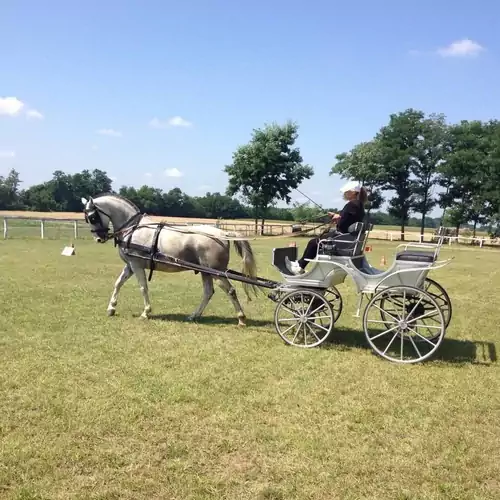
[[353, 212]]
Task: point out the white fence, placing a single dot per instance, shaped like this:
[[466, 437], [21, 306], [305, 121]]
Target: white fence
[[23, 226], [70, 227]]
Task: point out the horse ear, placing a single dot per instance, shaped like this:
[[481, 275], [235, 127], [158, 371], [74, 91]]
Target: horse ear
[[84, 201]]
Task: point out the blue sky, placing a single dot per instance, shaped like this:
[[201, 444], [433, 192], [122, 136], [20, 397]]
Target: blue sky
[[144, 90]]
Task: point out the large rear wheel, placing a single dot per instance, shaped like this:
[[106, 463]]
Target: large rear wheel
[[412, 325]]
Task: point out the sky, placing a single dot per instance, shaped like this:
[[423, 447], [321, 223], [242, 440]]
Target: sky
[[162, 93]]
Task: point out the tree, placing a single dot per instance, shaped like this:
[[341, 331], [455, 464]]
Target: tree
[[267, 168], [431, 149], [465, 173], [362, 164], [399, 143], [9, 191]]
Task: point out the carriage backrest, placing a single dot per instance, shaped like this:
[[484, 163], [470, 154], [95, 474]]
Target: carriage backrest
[[352, 243]]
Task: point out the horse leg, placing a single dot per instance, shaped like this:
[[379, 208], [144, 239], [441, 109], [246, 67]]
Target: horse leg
[[140, 273], [124, 276], [208, 291], [226, 285]]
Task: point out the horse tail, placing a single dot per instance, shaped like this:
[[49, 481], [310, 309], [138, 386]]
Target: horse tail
[[249, 267]]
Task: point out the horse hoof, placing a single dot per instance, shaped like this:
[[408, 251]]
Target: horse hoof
[[240, 323], [144, 316], [111, 312]]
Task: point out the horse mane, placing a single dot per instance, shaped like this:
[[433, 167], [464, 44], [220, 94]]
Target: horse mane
[[120, 197]]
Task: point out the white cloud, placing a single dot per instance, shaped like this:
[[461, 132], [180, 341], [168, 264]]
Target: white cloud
[[205, 187], [94, 147], [461, 48], [176, 121], [34, 114], [110, 132], [173, 172], [10, 106], [148, 174], [7, 154]]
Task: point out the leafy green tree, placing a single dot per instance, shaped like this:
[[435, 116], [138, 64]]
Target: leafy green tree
[[9, 191], [268, 168], [399, 144], [214, 205], [465, 173], [362, 163], [432, 146], [305, 212]]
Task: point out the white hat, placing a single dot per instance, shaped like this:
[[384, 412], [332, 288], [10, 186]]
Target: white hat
[[351, 186]]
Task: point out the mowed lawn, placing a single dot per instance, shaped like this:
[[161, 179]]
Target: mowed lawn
[[121, 408]]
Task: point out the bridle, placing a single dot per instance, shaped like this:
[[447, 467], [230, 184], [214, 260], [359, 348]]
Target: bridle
[[93, 217]]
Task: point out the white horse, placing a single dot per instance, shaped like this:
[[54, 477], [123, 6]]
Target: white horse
[[207, 246]]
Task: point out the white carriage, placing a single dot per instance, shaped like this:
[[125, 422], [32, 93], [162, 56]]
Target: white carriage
[[406, 316]]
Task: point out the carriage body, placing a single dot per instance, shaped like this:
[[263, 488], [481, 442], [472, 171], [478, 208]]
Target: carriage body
[[406, 279]]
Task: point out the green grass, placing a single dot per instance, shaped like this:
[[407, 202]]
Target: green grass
[[120, 408]]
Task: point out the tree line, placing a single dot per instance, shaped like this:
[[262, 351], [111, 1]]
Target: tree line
[[62, 193], [415, 163]]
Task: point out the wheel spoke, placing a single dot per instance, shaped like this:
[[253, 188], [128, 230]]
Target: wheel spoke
[[382, 322], [427, 326], [288, 329], [321, 317], [422, 337], [427, 315], [312, 331], [292, 311], [415, 346], [296, 334], [402, 346], [288, 319], [385, 312], [390, 343], [321, 326], [384, 332]]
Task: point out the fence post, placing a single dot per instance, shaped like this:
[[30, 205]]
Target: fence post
[[75, 225], [42, 229], [5, 228]]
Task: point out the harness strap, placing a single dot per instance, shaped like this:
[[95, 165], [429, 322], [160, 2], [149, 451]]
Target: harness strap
[[154, 249]]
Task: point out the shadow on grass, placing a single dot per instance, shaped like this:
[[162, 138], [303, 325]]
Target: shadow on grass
[[450, 350], [210, 320]]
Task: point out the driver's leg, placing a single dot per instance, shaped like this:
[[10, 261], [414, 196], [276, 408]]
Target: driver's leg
[[298, 266]]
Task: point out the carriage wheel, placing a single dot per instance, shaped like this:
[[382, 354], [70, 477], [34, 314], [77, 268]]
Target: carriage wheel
[[333, 296], [304, 318], [412, 325], [441, 297], [436, 291]]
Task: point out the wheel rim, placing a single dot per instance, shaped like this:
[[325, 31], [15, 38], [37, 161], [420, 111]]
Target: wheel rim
[[412, 325], [441, 297], [304, 318], [333, 296]]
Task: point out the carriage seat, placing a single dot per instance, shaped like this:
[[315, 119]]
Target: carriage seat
[[348, 244], [416, 256]]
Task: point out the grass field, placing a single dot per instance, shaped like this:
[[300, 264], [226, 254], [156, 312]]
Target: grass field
[[121, 408]]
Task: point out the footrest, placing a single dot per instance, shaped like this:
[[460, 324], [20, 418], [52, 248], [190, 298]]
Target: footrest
[[415, 256]]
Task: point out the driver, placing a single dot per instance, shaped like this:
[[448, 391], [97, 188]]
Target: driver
[[353, 211]]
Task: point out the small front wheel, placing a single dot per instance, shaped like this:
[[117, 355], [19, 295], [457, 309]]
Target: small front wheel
[[304, 318], [412, 325]]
